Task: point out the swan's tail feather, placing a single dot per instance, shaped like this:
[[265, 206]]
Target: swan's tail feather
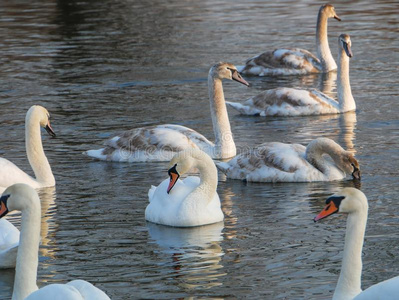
[[222, 166], [96, 154], [151, 192]]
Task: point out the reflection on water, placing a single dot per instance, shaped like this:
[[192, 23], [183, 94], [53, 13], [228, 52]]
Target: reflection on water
[[194, 253], [101, 67]]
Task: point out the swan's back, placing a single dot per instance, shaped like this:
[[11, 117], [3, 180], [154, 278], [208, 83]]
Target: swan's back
[[9, 240], [10, 174], [385, 290]]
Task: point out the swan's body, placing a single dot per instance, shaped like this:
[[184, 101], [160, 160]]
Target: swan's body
[[295, 102], [24, 198], [9, 240], [189, 202], [296, 61], [278, 162], [36, 117], [161, 143], [354, 202]]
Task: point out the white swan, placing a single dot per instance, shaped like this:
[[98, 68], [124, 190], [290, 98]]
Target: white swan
[[9, 241], [36, 117], [193, 201], [160, 143], [354, 202], [24, 198], [295, 102], [278, 162], [296, 61]]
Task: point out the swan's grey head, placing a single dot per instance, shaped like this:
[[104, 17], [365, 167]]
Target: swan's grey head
[[345, 43], [350, 165], [18, 197], [225, 70], [329, 11], [43, 116], [348, 200]]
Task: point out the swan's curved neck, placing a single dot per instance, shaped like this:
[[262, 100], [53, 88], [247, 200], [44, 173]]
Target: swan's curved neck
[[208, 177], [34, 150], [224, 143], [323, 49], [28, 249], [316, 149], [344, 91], [349, 282]]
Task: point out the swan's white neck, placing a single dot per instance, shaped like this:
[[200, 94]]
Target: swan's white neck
[[318, 147], [208, 177], [344, 91], [323, 49], [224, 143], [34, 150], [28, 249], [349, 282]]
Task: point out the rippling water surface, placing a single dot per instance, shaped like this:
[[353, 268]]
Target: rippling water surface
[[100, 67]]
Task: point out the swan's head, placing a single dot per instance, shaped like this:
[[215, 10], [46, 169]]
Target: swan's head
[[225, 70], [348, 200], [345, 43], [329, 11], [19, 196], [40, 113], [350, 165], [181, 163]]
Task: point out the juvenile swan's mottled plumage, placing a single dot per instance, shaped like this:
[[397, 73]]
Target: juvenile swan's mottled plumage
[[294, 102], [288, 61], [36, 117], [278, 162], [354, 203], [160, 143], [189, 202], [24, 198]]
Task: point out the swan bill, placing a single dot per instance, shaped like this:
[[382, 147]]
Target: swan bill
[[356, 174], [237, 77], [337, 18], [347, 49], [3, 205], [174, 176], [50, 130], [332, 207]]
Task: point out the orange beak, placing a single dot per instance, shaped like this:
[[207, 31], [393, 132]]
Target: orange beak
[[174, 175], [330, 209], [3, 205]]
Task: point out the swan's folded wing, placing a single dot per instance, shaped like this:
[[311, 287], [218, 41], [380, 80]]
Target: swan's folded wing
[[10, 174], [57, 291], [385, 290], [88, 291], [269, 162]]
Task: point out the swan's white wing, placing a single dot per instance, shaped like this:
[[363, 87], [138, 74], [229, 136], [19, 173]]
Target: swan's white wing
[[385, 290], [74, 290], [88, 291], [9, 240], [282, 62], [272, 162], [155, 143], [56, 292], [287, 102], [10, 174]]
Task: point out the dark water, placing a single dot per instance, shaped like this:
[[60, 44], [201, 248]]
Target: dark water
[[104, 66]]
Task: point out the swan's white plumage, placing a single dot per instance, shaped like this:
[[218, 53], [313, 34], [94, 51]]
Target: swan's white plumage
[[192, 201], [9, 240], [286, 61], [24, 198], [160, 143], [354, 202], [36, 117], [279, 162]]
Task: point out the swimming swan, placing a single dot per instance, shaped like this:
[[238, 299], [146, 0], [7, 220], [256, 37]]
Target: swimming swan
[[294, 102], [160, 143], [189, 202], [278, 162], [354, 202], [24, 198], [297, 61], [36, 117]]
